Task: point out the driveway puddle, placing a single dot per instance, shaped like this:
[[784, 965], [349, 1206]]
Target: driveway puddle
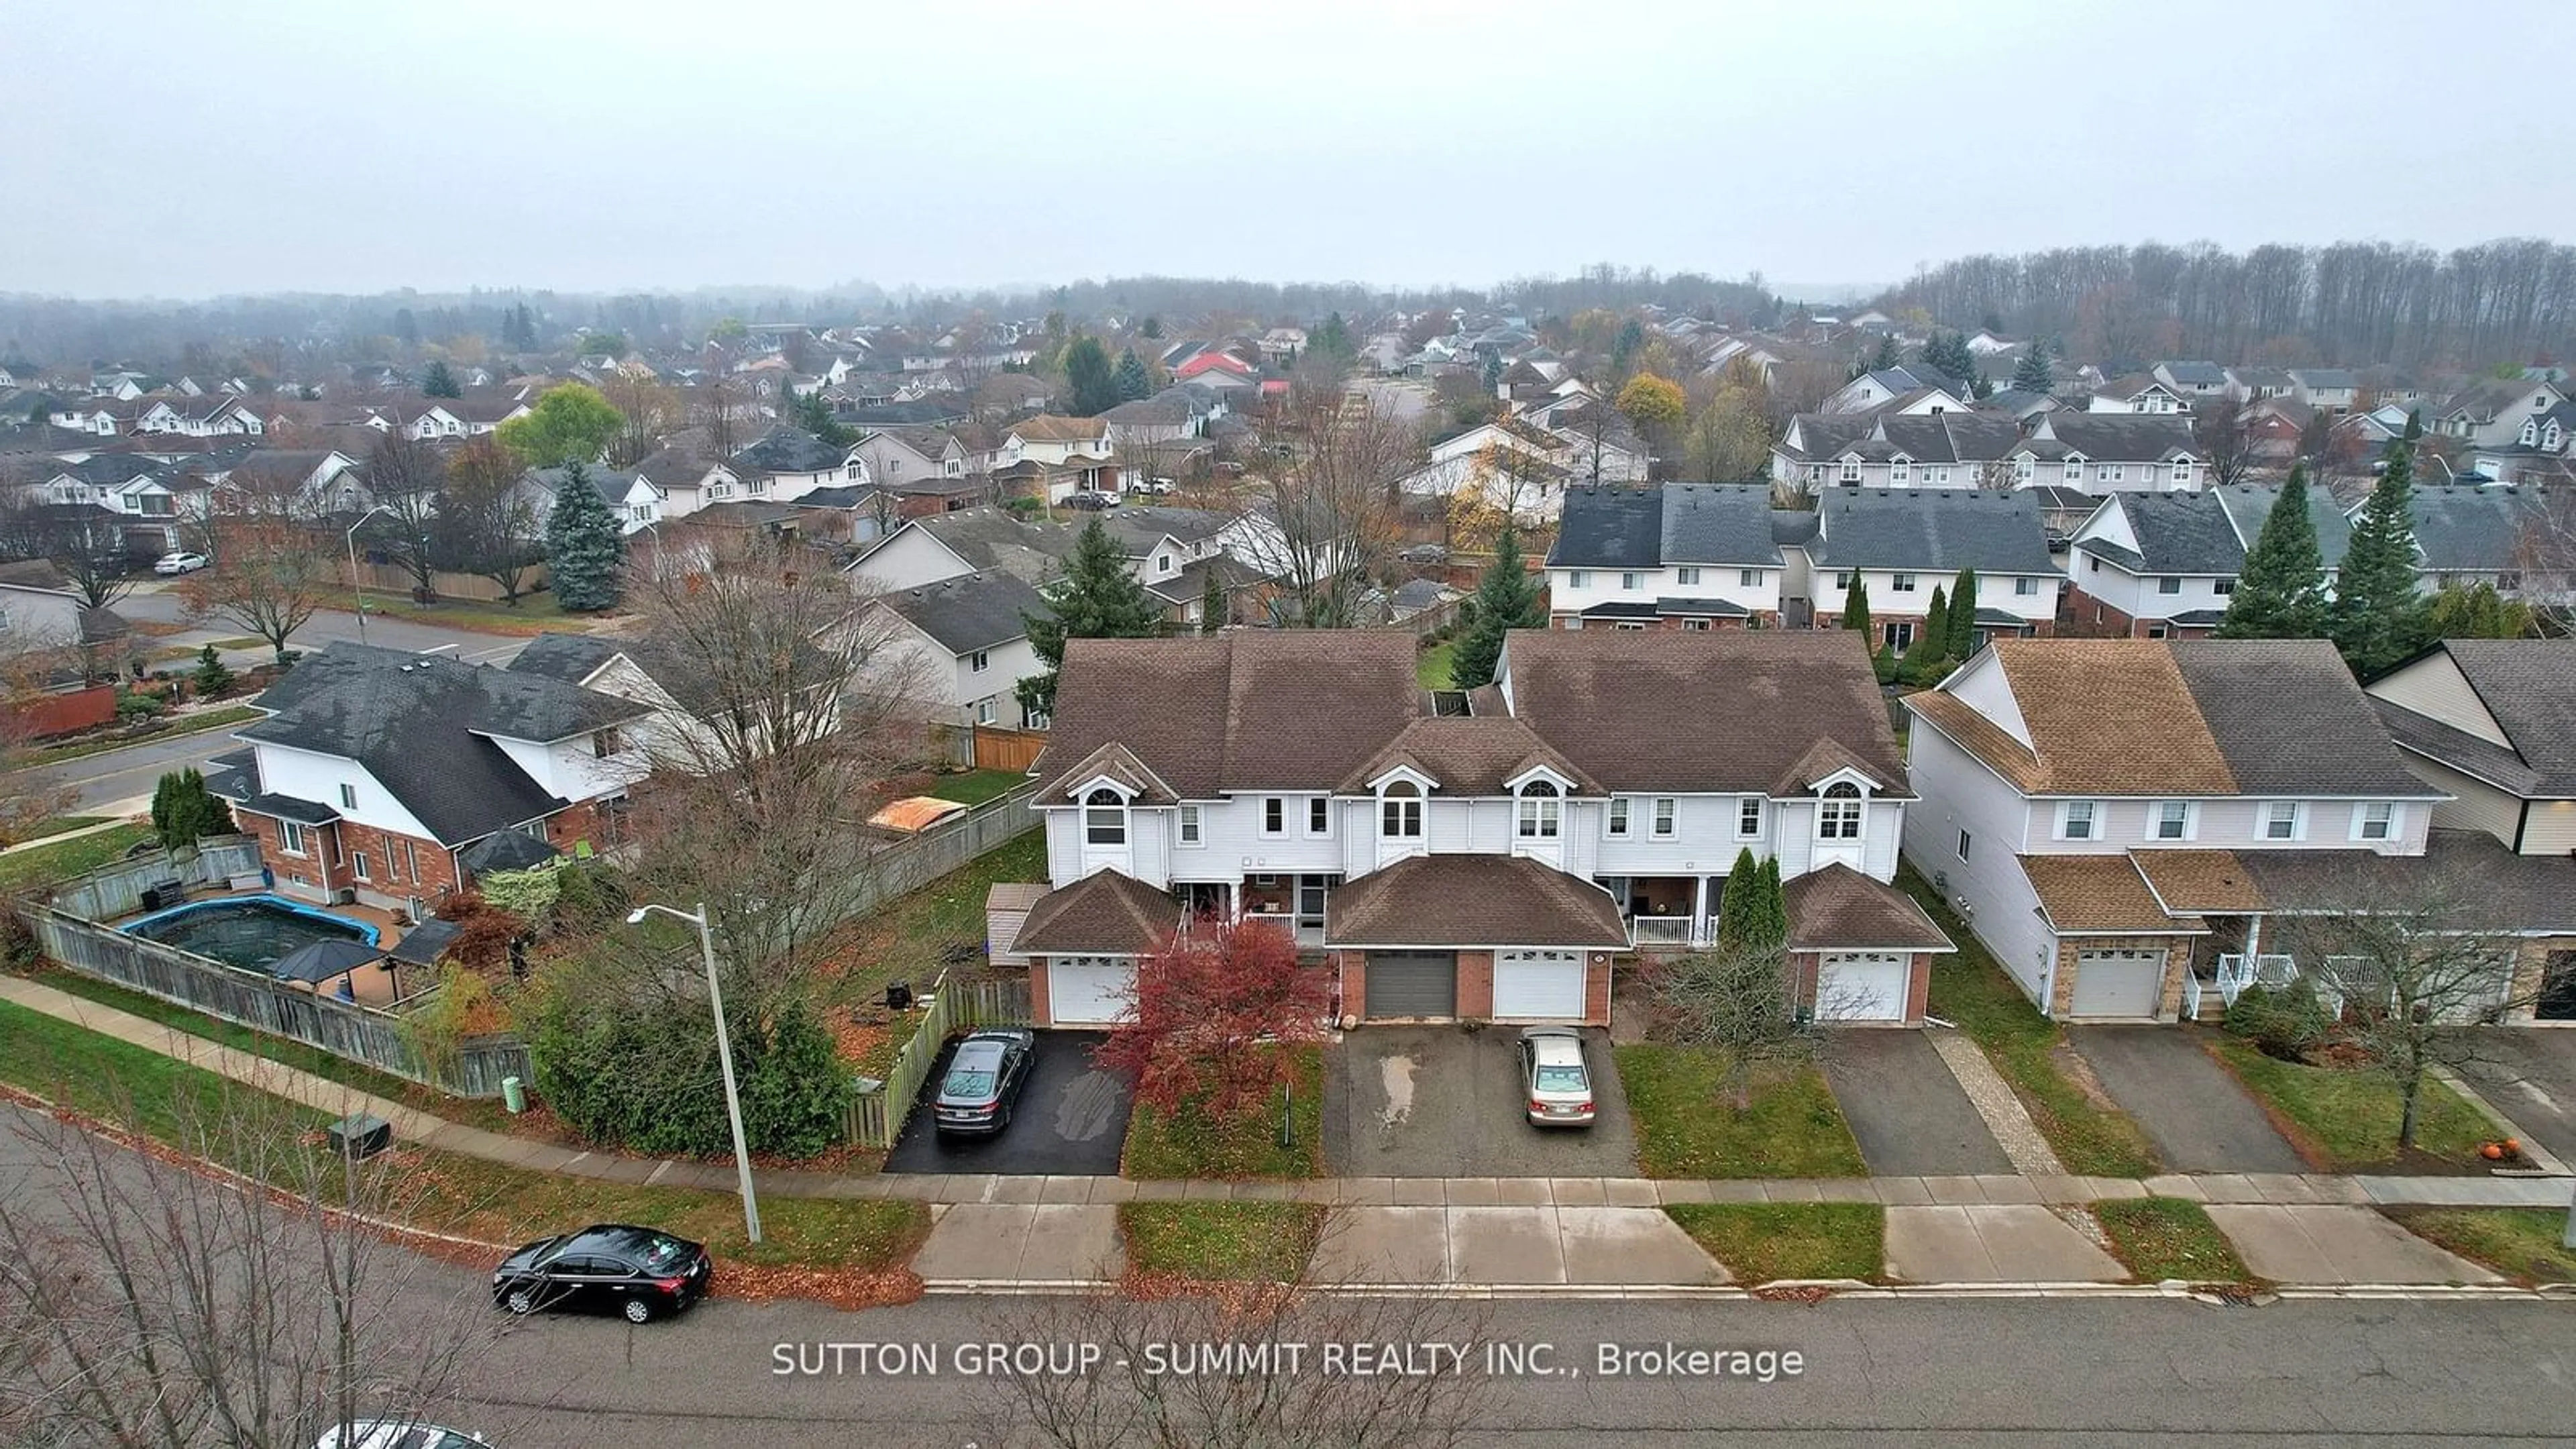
[[1398, 1075]]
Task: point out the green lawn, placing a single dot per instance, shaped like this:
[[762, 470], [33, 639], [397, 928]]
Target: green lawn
[[975, 786], [45, 864], [2521, 1243], [909, 938], [1688, 1124], [483, 1112], [1187, 1144], [446, 1193], [2166, 1237], [61, 825], [2346, 1120], [2090, 1137], [1262, 1242], [186, 724], [535, 614], [1768, 1242], [1431, 666]]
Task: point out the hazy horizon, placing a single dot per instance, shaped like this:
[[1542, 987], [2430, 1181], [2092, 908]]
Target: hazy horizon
[[604, 149]]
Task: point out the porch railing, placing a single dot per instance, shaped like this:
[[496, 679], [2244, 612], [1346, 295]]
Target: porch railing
[[2237, 971], [2190, 997], [1659, 930]]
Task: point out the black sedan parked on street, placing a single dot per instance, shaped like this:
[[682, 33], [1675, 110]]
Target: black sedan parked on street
[[984, 1080], [642, 1273]]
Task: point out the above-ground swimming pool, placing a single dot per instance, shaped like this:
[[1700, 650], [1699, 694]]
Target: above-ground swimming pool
[[251, 931]]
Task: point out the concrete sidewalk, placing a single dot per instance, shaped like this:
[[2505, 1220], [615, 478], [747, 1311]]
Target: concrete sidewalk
[[1525, 1231]]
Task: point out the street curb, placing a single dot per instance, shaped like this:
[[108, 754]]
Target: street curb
[[1796, 1290]]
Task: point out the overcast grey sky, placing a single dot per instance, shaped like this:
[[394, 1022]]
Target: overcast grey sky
[[184, 149]]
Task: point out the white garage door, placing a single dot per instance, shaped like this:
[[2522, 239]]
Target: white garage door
[[1089, 990], [1862, 986], [2118, 983], [1538, 986]]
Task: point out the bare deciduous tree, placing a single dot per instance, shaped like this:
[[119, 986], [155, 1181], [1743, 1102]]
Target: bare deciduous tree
[[405, 476], [2226, 440], [1324, 492], [145, 1304], [275, 568]]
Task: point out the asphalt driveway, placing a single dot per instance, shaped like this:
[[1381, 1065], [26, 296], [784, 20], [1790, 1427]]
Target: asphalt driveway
[[2199, 1119], [1909, 1114], [2529, 1073], [1071, 1120], [1442, 1101]]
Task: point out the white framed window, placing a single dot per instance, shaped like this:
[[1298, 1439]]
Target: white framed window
[[1842, 579], [1578, 579], [1666, 816], [1542, 813], [2111, 472], [1748, 578], [1190, 826], [984, 709], [358, 865], [1899, 473], [2374, 820], [1965, 840], [2182, 473], [1104, 818], [1617, 828], [348, 797], [1904, 583], [1838, 813], [1851, 470], [1690, 576], [1400, 811], [2168, 584], [2022, 468], [1274, 816], [2025, 586], [2281, 820], [1631, 582], [1748, 817], [2075, 820], [1319, 816], [291, 838], [979, 661], [2222, 587], [1698, 624], [2073, 470], [2172, 820]]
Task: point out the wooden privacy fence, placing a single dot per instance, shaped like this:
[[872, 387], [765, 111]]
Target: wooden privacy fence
[[446, 583], [1012, 750], [877, 1109], [104, 895], [263, 1003], [916, 860]]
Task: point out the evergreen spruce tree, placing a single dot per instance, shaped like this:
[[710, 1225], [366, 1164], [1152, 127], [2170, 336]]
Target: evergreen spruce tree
[[585, 545], [2281, 594], [1089, 378], [1959, 636], [439, 381], [1883, 663], [1771, 921], [1133, 383], [184, 811], [1506, 599], [2377, 617], [1737, 903], [1931, 640], [1212, 600], [1493, 373], [1887, 354], [2032, 373], [1856, 605], [1099, 599]]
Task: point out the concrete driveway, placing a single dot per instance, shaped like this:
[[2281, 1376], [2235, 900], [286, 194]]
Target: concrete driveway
[[1442, 1101], [2199, 1119], [1071, 1120], [2529, 1074], [1909, 1114]]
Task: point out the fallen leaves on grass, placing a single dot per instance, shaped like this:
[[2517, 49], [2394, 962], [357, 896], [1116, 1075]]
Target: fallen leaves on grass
[[847, 1289]]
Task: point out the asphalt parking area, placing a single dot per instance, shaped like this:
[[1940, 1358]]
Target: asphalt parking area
[[1908, 1113], [1071, 1120], [2529, 1074], [2197, 1116], [1443, 1101]]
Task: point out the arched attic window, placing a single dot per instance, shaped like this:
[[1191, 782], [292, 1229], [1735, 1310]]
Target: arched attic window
[[1541, 811], [1104, 818]]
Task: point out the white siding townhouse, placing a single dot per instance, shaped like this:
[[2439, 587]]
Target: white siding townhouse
[[1478, 857], [2110, 453], [1902, 543], [959, 647], [1683, 556], [1950, 448]]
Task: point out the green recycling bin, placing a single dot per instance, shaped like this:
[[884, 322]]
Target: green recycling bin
[[513, 1096]]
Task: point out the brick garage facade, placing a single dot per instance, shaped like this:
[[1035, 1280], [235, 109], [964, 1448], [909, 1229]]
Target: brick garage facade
[[1041, 1011], [1804, 967], [2089, 617], [1349, 969], [2177, 949], [1475, 986]]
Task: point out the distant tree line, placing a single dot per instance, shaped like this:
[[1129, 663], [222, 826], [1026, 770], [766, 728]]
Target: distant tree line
[[2510, 300]]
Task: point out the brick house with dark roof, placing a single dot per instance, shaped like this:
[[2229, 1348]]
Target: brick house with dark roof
[[1483, 856], [2124, 822]]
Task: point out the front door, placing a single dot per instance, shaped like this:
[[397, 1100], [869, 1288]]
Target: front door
[[1311, 890], [2557, 988]]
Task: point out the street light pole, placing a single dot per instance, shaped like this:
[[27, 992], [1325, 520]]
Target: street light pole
[[357, 594], [724, 1051]]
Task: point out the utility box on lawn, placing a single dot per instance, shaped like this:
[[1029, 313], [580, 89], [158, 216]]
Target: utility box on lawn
[[361, 1136]]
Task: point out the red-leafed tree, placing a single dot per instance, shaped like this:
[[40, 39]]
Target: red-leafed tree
[[1206, 999]]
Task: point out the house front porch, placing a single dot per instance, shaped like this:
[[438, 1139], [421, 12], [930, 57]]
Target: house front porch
[[1665, 913]]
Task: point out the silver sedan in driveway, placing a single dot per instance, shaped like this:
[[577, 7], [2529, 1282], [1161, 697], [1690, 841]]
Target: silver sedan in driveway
[[1559, 1085]]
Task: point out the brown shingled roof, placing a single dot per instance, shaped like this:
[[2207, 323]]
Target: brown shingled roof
[[1104, 913], [2105, 717], [1840, 909], [2100, 893], [2203, 881], [1472, 900], [1467, 756]]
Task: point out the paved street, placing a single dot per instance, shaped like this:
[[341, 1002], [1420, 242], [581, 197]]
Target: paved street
[[124, 775]]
